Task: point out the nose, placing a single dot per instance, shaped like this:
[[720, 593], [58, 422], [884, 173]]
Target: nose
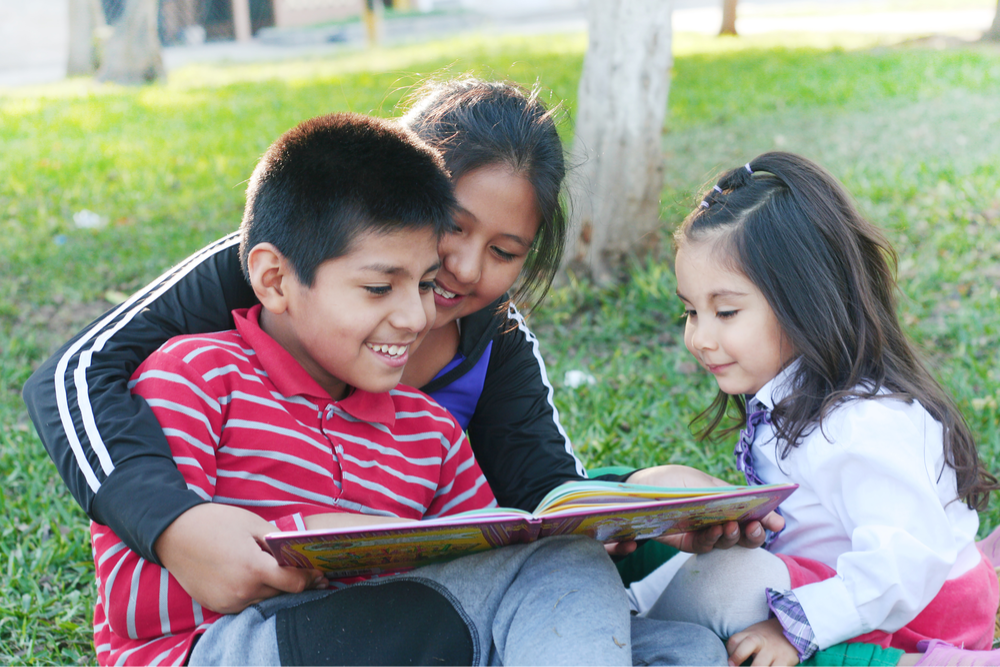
[[411, 314], [462, 261], [701, 336]]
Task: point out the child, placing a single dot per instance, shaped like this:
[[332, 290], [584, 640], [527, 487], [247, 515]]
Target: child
[[296, 417], [790, 303]]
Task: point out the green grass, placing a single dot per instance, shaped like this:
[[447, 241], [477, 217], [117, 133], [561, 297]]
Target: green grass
[[912, 132]]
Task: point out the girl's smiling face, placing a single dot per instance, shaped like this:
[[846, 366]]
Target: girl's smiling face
[[496, 222], [731, 329]]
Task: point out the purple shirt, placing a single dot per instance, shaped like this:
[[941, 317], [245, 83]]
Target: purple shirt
[[461, 396]]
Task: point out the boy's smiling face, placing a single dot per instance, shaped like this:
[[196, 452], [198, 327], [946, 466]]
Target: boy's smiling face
[[355, 326]]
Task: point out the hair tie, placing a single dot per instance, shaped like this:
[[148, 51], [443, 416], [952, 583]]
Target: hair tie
[[747, 165], [718, 189], [704, 203]]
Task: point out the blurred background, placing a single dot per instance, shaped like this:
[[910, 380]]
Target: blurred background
[[35, 37]]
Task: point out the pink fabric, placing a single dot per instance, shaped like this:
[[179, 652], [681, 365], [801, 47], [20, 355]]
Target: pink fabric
[[938, 653], [962, 613], [990, 546]]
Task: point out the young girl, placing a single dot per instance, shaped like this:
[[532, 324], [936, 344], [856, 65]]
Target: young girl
[[791, 304]]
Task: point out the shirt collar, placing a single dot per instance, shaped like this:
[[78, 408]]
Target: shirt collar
[[779, 386], [290, 379]]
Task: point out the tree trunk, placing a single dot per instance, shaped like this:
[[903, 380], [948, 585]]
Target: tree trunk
[[132, 53], [242, 27], [993, 34], [622, 103], [728, 18], [85, 17]]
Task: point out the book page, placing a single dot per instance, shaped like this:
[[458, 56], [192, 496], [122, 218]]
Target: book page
[[591, 493], [644, 520]]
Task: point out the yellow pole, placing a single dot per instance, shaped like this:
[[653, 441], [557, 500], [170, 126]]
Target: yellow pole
[[372, 13]]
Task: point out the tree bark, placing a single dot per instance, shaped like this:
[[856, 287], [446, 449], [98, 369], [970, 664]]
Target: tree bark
[[85, 17], [993, 34], [622, 103], [728, 18], [132, 53]]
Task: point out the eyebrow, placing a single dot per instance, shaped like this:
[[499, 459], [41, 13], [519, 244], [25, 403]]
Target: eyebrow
[[513, 237], [518, 239], [390, 270], [387, 269], [716, 295]]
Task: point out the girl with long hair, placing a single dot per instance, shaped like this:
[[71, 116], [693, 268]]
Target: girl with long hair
[[790, 303]]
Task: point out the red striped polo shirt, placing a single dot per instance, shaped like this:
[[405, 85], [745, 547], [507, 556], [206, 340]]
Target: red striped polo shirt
[[249, 427]]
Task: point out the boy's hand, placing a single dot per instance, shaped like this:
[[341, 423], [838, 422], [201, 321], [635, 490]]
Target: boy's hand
[[214, 553], [766, 642]]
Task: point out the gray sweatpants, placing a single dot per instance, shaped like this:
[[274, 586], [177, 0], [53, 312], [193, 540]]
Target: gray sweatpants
[[557, 601], [723, 590]]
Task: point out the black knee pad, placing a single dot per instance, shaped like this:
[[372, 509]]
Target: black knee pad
[[395, 623]]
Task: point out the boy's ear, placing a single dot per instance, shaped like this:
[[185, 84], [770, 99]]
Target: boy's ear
[[270, 276]]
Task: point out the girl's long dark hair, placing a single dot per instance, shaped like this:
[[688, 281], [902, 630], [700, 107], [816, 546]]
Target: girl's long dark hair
[[829, 276], [476, 123]]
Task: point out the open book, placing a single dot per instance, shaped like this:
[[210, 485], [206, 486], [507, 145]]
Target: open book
[[606, 511]]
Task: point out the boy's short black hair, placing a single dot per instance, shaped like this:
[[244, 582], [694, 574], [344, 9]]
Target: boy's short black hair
[[332, 178]]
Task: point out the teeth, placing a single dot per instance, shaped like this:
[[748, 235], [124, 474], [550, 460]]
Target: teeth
[[443, 292], [391, 350]]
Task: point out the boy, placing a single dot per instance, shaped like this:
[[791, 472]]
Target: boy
[[295, 416]]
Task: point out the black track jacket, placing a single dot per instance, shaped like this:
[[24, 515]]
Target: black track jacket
[[112, 454]]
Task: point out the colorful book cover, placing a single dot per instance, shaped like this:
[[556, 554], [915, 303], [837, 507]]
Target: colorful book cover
[[606, 511]]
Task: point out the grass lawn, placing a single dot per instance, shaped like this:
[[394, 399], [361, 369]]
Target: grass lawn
[[912, 131]]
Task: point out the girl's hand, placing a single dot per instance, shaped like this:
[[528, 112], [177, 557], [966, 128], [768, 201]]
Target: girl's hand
[[750, 535], [621, 548], [773, 522], [721, 536], [675, 476], [765, 642]]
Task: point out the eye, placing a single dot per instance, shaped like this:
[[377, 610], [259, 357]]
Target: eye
[[426, 285], [379, 290], [726, 314], [504, 255]]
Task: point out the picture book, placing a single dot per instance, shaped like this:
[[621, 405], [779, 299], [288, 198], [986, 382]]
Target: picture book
[[606, 511]]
